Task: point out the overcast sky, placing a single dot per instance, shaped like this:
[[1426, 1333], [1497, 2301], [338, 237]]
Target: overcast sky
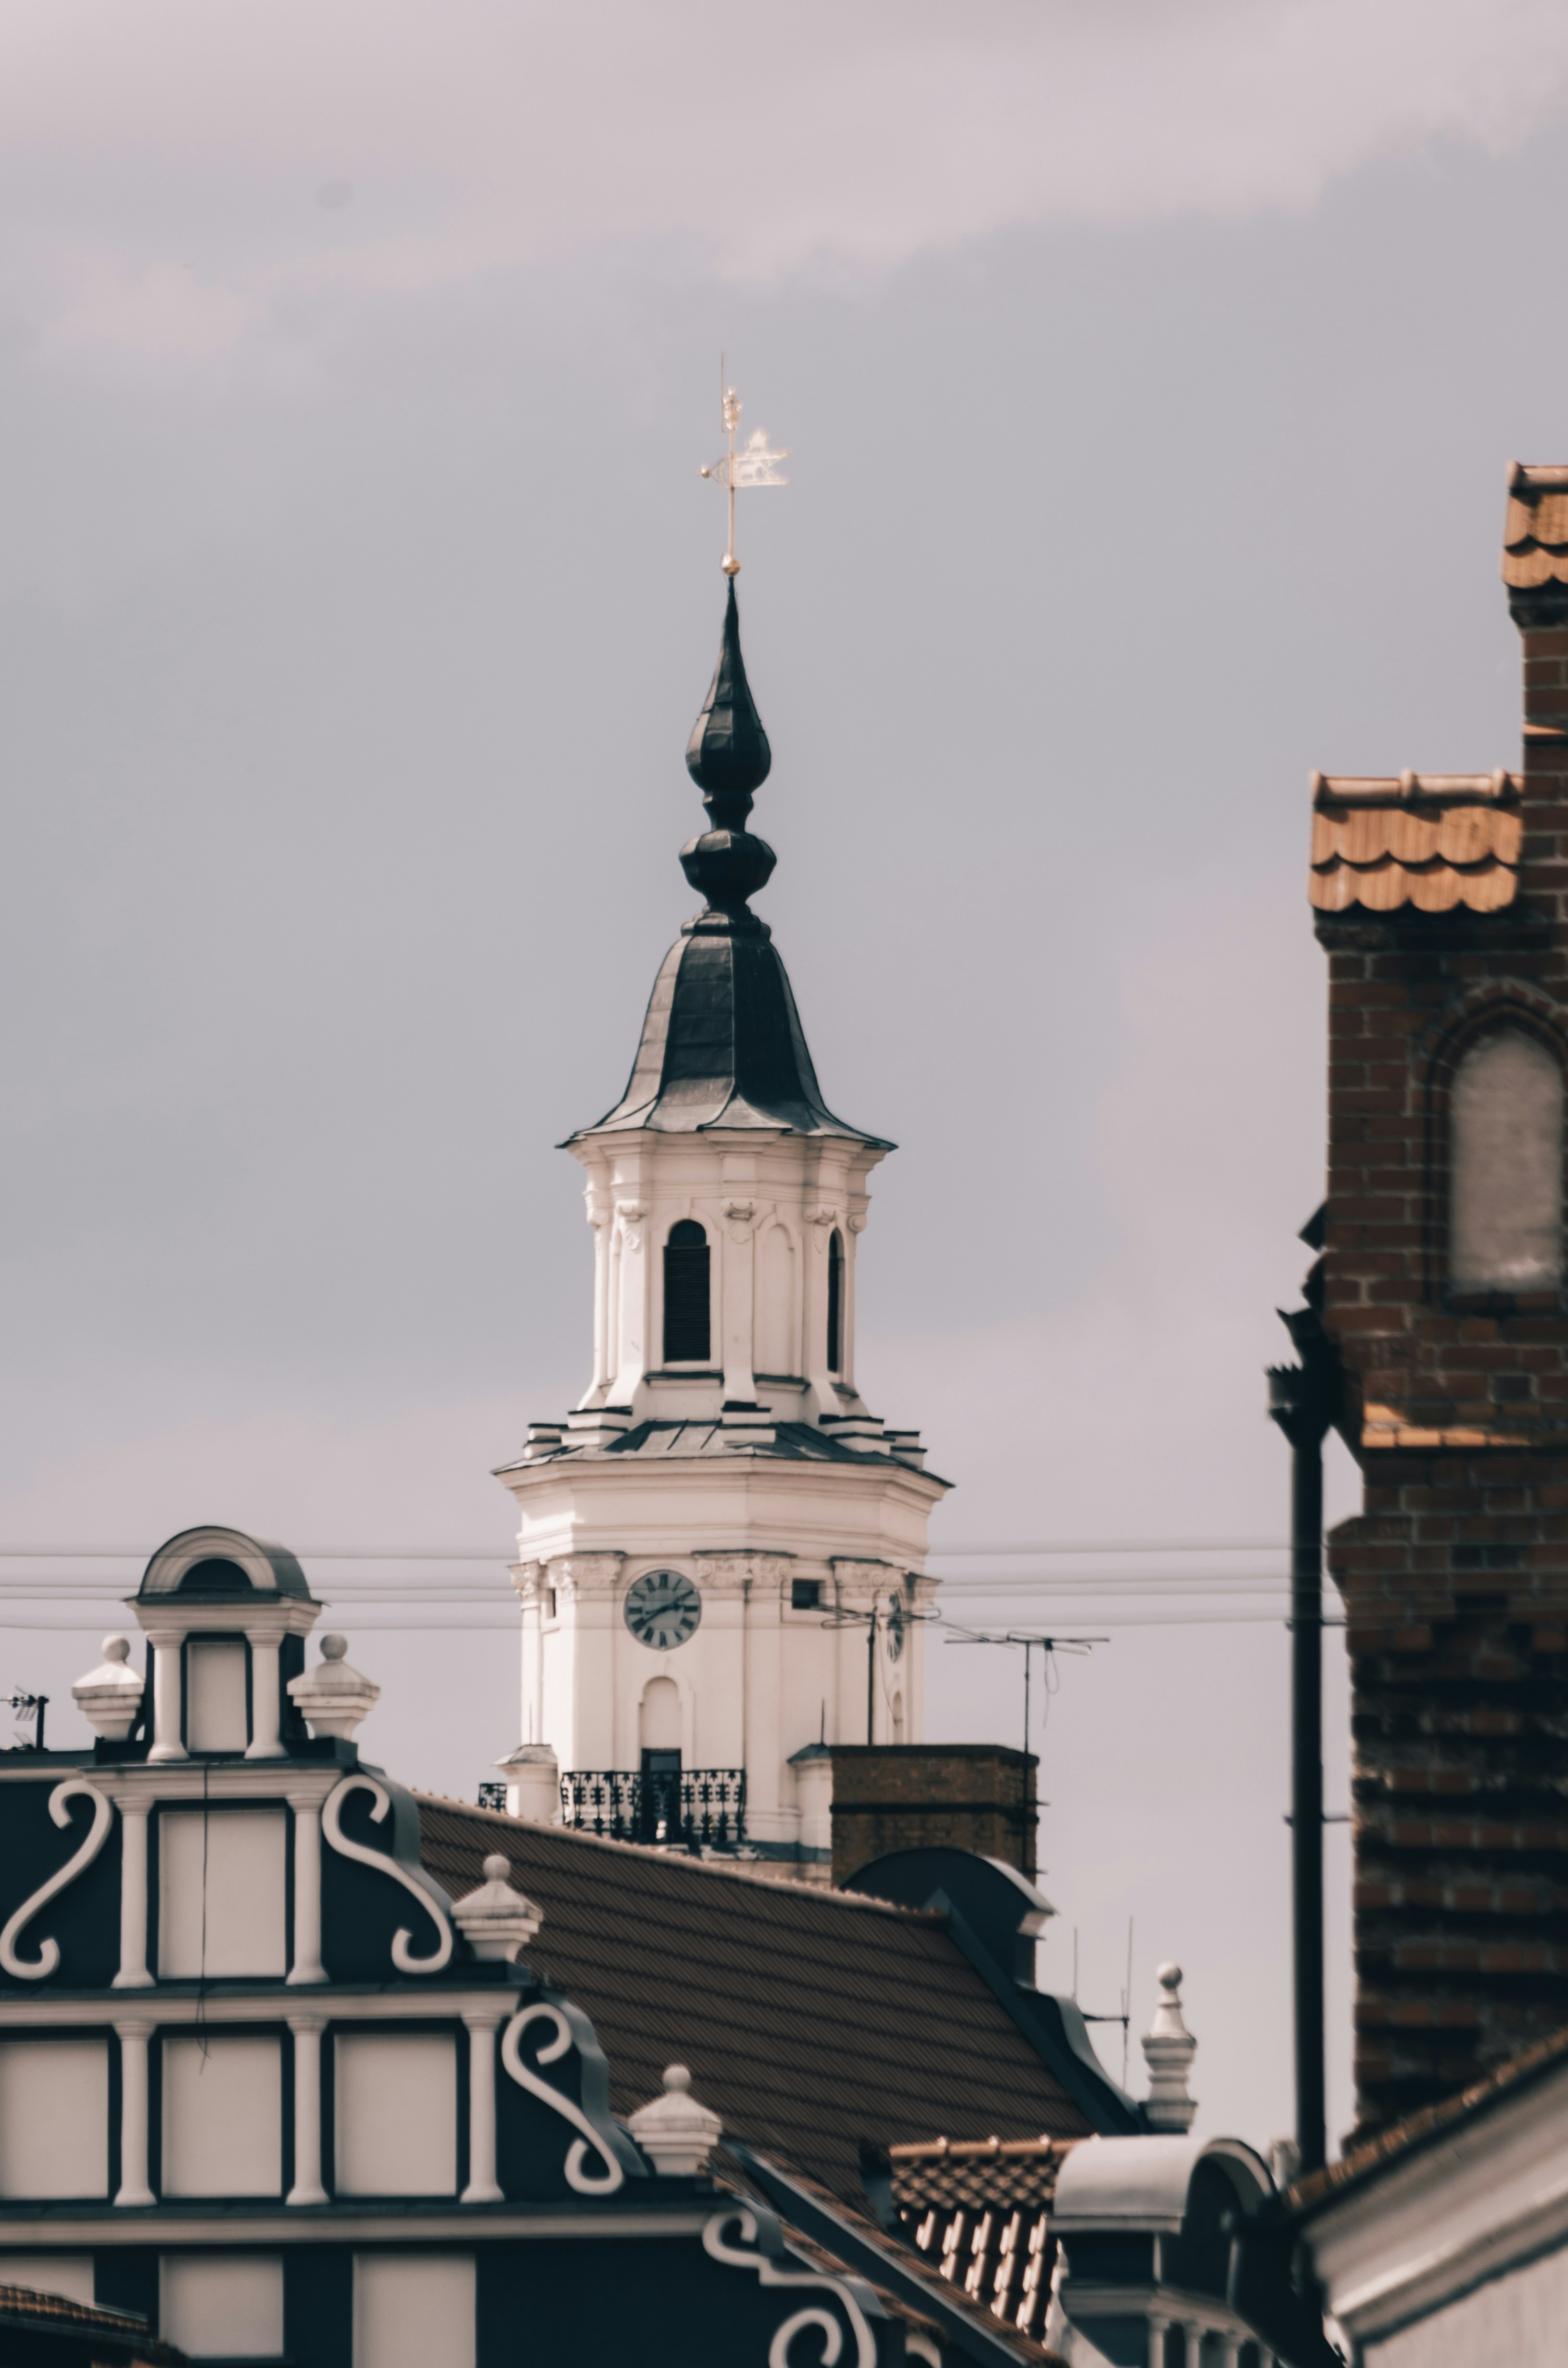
[[1149, 373]]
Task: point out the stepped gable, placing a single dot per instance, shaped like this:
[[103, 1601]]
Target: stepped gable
[[807, 2017]]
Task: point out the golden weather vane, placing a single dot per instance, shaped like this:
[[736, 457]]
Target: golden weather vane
[[753, 465]]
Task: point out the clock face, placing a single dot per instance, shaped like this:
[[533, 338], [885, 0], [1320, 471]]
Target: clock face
[[663, 1608]]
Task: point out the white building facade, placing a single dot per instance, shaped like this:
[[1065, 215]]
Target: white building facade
[[721, 1551]]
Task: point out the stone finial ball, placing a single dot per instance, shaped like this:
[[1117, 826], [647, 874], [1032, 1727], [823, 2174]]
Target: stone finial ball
[[496, 1868], [677, 2079], [333, 1648], [117, 1648], [1169, 1976]]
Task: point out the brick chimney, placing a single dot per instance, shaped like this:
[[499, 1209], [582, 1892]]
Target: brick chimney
[[1440, 901], [972, 1796]]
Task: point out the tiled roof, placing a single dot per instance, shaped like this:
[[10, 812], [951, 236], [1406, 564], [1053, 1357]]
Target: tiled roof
[[980, 2213], [1404, 2137], [811, 2021], [1535, 532], [1005, 2311], [1432, 840], [985, 2171], [120, 2337]]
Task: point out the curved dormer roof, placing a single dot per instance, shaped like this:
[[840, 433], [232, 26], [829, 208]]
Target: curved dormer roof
[[213, 1564]]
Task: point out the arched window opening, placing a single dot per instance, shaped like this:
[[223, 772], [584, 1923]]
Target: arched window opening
[[687, 1327], [835, 1303], [1506, 1165]]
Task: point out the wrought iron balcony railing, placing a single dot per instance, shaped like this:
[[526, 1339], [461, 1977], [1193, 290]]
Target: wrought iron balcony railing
[[684, 1808]]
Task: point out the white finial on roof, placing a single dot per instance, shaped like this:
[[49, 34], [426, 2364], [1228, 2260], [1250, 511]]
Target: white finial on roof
[[1169, 2050], [109, 1696], [332, 1696], [675, 2131], [496, 1921]]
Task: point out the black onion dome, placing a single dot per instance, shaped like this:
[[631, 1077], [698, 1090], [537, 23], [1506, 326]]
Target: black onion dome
[[728, 756], [721, 1043]]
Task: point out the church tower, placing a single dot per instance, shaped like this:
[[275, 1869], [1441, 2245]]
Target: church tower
[[720, 1550]]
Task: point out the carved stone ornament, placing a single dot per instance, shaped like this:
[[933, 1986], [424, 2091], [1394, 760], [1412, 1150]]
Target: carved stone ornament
[[1169, 2050], [332, 1696], [675, 2131], [631, 1214], [496, 1921], [109, 1696]]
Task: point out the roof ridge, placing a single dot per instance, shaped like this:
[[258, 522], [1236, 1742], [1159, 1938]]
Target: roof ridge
[[1404, 2137], [784, 1886]]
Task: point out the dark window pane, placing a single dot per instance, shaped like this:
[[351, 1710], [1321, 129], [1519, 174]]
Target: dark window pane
[[805, 1594], [686, 1294], [835, 1303]]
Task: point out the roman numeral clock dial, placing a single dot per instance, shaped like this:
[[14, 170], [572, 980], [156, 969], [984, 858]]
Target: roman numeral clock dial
[[663, 1608]]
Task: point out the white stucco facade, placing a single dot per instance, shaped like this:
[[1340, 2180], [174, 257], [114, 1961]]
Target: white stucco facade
[[758, 1475]]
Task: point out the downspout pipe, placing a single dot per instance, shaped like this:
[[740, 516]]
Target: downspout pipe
[[1304, 1400]]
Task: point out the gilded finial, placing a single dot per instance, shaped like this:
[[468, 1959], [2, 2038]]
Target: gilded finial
[[754, 465]]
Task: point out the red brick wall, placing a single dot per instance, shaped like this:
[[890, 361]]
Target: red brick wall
[[1455, 1577], [976, 1797]]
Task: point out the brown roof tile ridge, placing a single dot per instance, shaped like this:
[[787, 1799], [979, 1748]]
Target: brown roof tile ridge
[[1536, 477], [983, 2149], [1407, 2136], [1497, 787], [783, 1888]]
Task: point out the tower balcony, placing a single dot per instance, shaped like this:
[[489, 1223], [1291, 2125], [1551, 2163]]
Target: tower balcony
[[702, 1810]]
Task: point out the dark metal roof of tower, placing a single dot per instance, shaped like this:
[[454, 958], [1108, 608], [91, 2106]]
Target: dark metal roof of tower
[[721, 1043]]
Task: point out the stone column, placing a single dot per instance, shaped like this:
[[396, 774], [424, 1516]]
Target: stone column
[[1157, 2342], [1194, 2334], [266, 1697], [307, 1965], [482, 2023], [133, 1974], [134, 2187], [307, 2030], [166, 1744]]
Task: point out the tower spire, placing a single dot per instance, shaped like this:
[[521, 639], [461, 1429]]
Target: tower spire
[[728, 757]]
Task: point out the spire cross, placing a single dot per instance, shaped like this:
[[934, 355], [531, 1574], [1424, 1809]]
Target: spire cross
[[753, 465]]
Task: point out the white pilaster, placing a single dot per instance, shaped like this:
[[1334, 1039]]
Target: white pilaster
[[166, 1692], [134, 2187], [307, 1965], [307, 2030], [265, 1694], [133, 1974], [482, 2023]]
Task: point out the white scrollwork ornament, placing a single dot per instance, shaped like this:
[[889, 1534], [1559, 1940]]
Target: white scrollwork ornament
[[578, 2176], [39, 1968], [745, 2256], [403, 1955]]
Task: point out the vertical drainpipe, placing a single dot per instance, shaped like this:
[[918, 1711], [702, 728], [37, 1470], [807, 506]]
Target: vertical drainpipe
[[1303, 1400]]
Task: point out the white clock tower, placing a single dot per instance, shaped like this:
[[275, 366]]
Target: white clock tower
[[720, 1550]]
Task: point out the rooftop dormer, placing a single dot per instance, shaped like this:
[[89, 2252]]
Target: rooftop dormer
[[226, 1616]]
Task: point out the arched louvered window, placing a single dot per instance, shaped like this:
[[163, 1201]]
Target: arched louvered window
[[1506, 1166], [687, 1327], [835, 1303]]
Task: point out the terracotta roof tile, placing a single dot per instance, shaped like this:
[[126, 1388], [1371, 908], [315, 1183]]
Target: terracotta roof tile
[[812, 2020], [1535, 532], [1003, 2281], [1433, 841]]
